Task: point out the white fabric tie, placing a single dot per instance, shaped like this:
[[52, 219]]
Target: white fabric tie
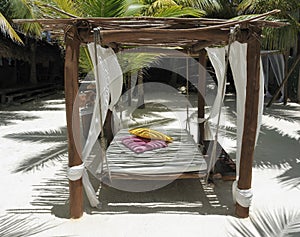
[[242, 197], [202, 120], [75, 172]]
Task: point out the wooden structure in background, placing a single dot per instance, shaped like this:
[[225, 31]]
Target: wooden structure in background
[[192, 34]]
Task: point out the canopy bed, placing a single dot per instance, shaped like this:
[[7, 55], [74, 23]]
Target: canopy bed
[[193, 35]]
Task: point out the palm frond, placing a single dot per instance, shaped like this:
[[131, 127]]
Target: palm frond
[[134, 9], [56, 153], [282, 38], [85, 62], [179, 11], [40, 136], [21, 226], [62, 8], [9, 118], [104, 8], [7, 29], [261, 6], [26, 10], [134, 61], [268, 222], [291, 178]]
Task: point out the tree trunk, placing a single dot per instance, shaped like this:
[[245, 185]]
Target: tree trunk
[[33, 75]]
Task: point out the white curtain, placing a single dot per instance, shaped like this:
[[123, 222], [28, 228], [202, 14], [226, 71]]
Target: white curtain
[[266, 66], [217, 59], [109, 81], [278, 65], [238, 62]]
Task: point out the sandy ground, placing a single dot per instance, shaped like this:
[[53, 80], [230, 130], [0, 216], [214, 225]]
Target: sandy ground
[[34, 187]]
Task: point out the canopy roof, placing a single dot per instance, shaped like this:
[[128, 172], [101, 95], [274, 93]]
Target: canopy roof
[[189, 33]]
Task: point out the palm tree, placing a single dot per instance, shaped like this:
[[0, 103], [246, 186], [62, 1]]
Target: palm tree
[[282, 38], [7, 29], [19, 9]]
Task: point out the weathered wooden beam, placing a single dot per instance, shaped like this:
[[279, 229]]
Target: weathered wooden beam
[[144, 21], [126, 176], [201, 45], [250, 122], [71, 89], [201, 94], [162, 35]]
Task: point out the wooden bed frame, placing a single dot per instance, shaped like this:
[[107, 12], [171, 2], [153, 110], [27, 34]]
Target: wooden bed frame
[[193, 35]]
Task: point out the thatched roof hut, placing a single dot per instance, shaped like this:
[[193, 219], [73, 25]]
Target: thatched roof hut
[[36, 61], [45, 51]]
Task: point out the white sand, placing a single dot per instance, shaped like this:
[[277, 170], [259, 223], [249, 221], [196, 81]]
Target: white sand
[[40, 196]]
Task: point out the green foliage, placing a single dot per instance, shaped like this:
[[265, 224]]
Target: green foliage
[[25, 9], [7, 29], [85, 62], [178, 11], [132, 61], [59, 8], [164, 8], [276, 38], [104, 8], [261, 6]]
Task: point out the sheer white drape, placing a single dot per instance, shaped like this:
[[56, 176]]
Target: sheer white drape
[[217, 59], [238, 63], [278, 66], [276, 61], [109, 81]]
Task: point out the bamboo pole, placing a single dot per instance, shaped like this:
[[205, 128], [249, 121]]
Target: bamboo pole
[[201, 94], [250, 122], [71, 89]]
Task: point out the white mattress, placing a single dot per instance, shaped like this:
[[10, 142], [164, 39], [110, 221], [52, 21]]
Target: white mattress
[[182, 155]]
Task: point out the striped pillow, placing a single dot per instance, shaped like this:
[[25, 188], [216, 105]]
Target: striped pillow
[[140, 145]]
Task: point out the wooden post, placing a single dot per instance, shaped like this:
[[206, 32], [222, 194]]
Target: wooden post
[[201, 94], [71, 89], [250, 123]]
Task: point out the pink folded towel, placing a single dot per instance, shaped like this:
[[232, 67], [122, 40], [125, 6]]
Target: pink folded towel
[[139, 145]]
